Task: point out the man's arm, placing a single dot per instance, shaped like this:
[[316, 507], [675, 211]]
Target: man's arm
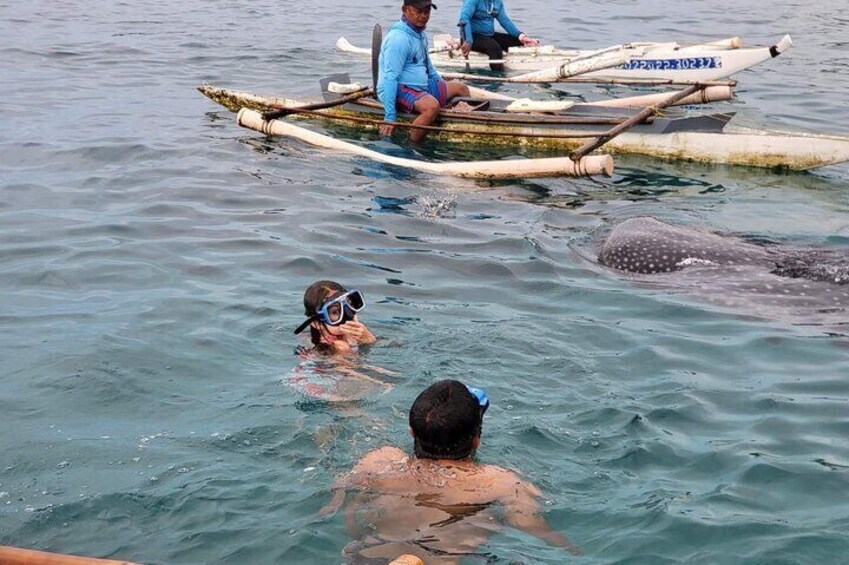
[[392, 58], [466, 12], [523, 511], [507, 23]]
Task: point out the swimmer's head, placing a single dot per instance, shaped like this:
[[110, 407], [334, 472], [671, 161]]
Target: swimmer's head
[[328, 304], [317, 294], [446, 419]]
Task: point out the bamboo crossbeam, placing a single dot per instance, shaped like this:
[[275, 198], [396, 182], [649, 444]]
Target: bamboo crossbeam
[[273, 115], [591, 146]]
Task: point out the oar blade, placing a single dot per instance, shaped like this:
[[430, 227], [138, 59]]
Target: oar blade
[[376, 42]]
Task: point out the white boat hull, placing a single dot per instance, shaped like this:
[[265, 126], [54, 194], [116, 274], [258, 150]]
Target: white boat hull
[[648, 61]]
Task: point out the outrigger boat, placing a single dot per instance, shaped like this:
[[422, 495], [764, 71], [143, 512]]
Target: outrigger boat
[[642, 61], [558, 125]]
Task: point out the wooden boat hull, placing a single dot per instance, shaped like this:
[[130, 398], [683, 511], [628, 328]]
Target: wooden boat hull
[[667, 140], [648, 61]]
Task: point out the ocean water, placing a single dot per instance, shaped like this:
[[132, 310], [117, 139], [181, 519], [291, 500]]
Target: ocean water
[[154, 256]]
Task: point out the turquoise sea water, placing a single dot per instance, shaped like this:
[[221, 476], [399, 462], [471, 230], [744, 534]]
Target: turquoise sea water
[[154, 256]]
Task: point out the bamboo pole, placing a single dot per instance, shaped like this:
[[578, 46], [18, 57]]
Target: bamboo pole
[[273, 115], [18, 556], [410, 125], [496, 118], [649, 81], [525, 168], [590, 146], [559, 73], [596, 80], [705, 96]]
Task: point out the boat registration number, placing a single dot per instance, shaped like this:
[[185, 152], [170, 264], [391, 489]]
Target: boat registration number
[[684, 64]]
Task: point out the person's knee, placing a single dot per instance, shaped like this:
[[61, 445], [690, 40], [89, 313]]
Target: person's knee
[[457, 88], [428, 107]]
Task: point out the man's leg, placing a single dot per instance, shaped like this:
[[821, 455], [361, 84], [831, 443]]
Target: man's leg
[[428, 108], [456, 88], [506, 41], [488, 46]]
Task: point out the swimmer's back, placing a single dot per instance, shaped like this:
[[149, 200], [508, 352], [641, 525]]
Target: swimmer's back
[[389, 469]]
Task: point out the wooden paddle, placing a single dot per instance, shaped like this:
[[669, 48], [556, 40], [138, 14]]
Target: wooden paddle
[[462, 26], [376, 41], [376, 44]]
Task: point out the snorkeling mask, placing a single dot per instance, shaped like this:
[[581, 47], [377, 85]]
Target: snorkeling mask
[[337, 310], [483, 399]]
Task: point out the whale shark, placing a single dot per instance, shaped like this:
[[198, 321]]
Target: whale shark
[[773, 280]]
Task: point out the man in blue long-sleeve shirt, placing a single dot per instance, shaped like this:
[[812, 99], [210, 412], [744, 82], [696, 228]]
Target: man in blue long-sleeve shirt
[[407, 77], [477, 24]]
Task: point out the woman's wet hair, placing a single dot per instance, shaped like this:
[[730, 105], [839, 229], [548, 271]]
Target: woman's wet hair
[[445, 419], [314, 298]]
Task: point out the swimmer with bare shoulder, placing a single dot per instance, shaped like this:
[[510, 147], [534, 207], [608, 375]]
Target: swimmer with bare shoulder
[[438, 503]]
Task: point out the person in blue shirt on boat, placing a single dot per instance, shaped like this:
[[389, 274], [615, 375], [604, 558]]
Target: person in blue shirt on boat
[[407, 78], [477, 30]]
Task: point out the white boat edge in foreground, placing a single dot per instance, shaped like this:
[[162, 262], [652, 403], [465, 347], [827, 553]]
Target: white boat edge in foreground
[[591, 165]]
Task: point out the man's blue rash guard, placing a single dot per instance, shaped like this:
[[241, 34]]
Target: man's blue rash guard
[[480, 15], [403, 60]]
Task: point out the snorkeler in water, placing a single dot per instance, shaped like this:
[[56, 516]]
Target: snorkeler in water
[[436, 503], [331, 312]]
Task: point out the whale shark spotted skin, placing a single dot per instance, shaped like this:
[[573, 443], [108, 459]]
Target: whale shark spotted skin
[[766, 280], [647, 245]]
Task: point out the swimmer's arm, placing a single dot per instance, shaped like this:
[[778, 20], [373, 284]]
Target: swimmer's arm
[[335, 503], [354, 374], [382, 371], [523, 511]]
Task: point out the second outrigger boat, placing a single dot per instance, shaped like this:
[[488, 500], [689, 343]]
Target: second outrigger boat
[[643, 60]]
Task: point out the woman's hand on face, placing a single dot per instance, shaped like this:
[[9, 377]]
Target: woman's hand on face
[[356, 332], [353, 330]]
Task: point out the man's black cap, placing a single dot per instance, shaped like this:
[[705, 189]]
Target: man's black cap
[[419, 4]]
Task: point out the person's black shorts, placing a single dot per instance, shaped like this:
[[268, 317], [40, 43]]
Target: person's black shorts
[[495, 46]]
